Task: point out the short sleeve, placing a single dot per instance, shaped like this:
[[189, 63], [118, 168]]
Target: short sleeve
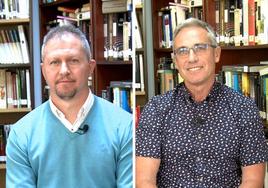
[[148, 133], [254, 148]]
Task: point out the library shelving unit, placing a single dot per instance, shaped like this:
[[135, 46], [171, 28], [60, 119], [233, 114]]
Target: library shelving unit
[[140, 56], [13, 112], [231, 55], [105, 71]]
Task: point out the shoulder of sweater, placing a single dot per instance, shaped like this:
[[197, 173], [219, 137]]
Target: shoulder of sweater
[[32, 117]]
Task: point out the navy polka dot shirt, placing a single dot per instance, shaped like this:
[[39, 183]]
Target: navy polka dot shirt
[[201, 144]]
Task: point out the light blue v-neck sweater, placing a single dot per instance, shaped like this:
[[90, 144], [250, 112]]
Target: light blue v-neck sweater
[[41, 152]]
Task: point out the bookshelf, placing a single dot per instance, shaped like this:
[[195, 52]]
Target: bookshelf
[[141, 93], [17, 62], [105, 70], [231, 55], [233, 52]]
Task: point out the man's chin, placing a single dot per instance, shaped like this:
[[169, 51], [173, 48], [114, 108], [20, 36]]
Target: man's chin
[[66, 95]]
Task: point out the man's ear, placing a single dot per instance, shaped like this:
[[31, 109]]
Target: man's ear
[[42, 69], [92, 64], [217, 54]]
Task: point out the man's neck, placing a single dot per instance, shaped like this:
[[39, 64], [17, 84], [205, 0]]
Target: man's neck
[[199, 92], [70, 107]]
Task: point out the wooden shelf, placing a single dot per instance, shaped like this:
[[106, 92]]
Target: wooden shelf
[[15, 65], [169, 50], [56, 3], [14, 21], [114, 63], [264, 46], [15, 110]]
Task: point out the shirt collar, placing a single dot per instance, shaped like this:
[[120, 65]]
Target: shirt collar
[[81, 115], [210, 98]]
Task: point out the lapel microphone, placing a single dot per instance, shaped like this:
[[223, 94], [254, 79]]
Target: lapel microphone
[[83, 129]]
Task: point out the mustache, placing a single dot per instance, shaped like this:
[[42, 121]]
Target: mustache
[[64, 79]]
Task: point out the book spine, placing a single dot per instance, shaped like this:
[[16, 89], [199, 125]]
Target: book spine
[[251, 22], [24, 44], [3, 92]]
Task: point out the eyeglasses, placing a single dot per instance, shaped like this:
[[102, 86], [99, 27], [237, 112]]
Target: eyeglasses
[[198, 49]]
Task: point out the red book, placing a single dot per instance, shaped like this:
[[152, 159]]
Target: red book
[[251, 22], [137, 115]]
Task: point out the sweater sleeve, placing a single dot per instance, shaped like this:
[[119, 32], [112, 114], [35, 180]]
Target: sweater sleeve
[[19, 171], [124, 159]]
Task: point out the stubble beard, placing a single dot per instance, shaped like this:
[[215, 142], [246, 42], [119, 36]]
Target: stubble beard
[[66, 95]]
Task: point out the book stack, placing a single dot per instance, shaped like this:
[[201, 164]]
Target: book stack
[[168, 76], [241, 22], [117, 36], [15, 88], [251, 81], [13, 46], [68, 15], [120, 94], [14, 9], [169, 18], [4, 132], [83, 13], [114, 6]]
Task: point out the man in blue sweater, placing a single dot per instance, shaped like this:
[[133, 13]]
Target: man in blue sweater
[[75, 139]]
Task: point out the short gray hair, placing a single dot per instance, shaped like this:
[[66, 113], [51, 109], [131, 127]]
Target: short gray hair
[[198, 23], [59, 31]]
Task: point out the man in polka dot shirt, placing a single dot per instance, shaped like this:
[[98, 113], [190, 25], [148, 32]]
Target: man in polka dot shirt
[[202, 133]]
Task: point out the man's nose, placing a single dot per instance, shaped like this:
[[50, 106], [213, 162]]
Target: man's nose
[[64, 68], [192, 55]]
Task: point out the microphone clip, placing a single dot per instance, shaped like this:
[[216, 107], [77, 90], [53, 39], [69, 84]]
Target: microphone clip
[[83, 129]]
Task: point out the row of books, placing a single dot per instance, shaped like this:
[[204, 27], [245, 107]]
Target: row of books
[[76, 13], [167, 75], [69, 15], [117, 36], [115, 6], [10, 9], [251, 81], [171, 16], [4, 132], [120, 93], [241, 22], [15, 88], [13, 46]]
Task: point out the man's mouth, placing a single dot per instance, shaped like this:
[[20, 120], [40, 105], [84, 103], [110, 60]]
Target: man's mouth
[[195, 68]]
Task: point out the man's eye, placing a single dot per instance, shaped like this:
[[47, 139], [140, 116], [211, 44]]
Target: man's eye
[[74, 62], [200, 47], [54, 63], [183, 51]]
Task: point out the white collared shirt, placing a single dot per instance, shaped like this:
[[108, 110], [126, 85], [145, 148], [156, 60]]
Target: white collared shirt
[[80, 116]]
